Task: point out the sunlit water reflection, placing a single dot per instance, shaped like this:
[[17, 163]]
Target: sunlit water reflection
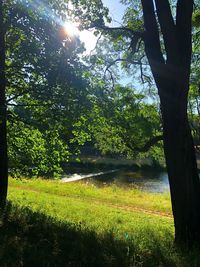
[[144, 180], [151, 181]]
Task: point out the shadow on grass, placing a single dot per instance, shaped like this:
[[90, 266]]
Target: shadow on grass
[[32, 239]]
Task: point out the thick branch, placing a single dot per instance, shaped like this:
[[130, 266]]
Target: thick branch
[[16, 96], [148, 145], [183, 27], [139, 34], [168, 29], [152, 41]]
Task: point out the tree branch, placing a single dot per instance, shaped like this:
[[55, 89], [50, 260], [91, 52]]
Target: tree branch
[[152, 42], [16, 96], [98, 39], [29, 105], [168, 29], [139, 34], [20, 67], [112, 79], [151, 142], [123, 60], [183, 26]]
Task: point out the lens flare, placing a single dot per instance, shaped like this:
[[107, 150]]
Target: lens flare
[[71, 29]]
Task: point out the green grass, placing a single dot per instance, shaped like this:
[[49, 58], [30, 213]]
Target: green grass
[[107, 194], [48, 223]]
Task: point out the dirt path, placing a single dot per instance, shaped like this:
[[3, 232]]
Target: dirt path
[[103, 202]]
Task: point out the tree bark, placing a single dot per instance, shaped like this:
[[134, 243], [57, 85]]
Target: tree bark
[[182, 171], [3, 138], [171, 75]]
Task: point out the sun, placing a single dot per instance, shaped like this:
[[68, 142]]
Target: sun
[[87, 37], [71, 29]]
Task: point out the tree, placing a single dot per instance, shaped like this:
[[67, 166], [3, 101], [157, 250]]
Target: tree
[[49, 102], [33, 152], [165, 35], [172, 80], [40, 69], [123, 124], [194, 93], [3, 138]]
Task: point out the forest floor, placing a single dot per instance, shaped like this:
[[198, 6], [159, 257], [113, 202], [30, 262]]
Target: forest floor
[[48, 223]]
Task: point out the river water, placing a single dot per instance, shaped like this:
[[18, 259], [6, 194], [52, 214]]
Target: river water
[[151, 181], [147, 180]]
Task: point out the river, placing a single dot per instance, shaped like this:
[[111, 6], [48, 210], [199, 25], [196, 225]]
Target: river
[[148, 180], [152, 181]]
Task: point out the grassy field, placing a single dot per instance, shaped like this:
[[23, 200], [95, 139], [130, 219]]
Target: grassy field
[[48, 223]]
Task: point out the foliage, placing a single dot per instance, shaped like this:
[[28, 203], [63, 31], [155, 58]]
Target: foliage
[[194, 93], [89, 13], [34, 153], [194, 112], [46, 88], [123, 122], [53, 91]]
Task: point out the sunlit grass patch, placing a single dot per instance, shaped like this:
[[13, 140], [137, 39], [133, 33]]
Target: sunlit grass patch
[[95, 215], [113, 194], [54, 224]]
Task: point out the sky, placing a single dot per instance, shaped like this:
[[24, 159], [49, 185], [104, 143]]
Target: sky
[[116, 13], [116, 10], [87, 37]]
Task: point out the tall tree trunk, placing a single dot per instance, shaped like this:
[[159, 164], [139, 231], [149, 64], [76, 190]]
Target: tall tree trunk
[[171, 74], [182, 170], [3, 139]]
